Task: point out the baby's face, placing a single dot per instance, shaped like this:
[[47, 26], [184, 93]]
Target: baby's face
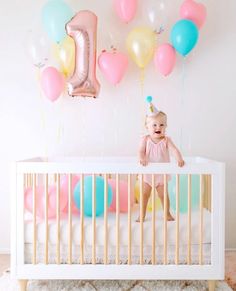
[[156, 126]]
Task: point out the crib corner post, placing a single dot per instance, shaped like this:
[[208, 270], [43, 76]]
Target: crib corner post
[[211, 285], [23, 284]]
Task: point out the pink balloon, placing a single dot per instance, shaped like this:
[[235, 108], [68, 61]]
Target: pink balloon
[[125, 9], [52, 82], [65, 188], [83, 29], [193, 11], [40, 201], [113, 65], [165, 58], [123, 195]]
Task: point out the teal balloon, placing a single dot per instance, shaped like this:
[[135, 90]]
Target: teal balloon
[[88, 195], [55, 15], [184, 36], [183, 192]]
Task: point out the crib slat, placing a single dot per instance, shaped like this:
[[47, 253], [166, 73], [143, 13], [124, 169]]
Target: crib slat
[[117, 221], [105, 220], [153, 222], [141, 219], [58, 218], [69, 220], [177, 221], [189, 220], [94, 219], [46, 218], [129, 220], [165, 221], [201, 220], [81, 219], [34, 219]]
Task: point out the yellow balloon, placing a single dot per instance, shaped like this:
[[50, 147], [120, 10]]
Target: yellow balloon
[[141, 43], [149, 205], [64, 53]]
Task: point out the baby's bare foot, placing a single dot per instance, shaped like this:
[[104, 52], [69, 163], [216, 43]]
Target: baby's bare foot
[[170, 217], [138, 219]]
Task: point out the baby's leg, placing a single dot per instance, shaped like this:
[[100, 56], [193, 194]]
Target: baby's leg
[[146, 194], [160, 191]]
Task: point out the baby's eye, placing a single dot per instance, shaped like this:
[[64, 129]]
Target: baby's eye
[[161, 124], [154, 124]]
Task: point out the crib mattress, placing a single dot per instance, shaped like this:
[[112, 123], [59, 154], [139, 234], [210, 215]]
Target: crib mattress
[[135, 230], [135, 233]]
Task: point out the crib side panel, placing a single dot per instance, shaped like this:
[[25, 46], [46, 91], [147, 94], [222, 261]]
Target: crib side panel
[[26, 177]]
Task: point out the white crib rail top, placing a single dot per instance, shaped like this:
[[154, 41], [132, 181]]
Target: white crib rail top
[[113, 165]]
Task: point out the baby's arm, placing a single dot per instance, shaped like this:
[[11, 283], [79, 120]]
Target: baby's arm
[[175, 152], [142, 151]]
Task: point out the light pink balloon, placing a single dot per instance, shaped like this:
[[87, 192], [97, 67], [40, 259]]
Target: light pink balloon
[[123, 195], [193, 11], [52, 83], [125, 9], [83, 29], [113, 65], [165, 58], [40, 201], [65, 188]]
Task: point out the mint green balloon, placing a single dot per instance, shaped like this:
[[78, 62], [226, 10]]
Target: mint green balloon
[[55, 15], [183, 192]]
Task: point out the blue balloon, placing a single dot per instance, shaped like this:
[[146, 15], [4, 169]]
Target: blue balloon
[[184, 36], [183, 192], [149, 99], [88, 196], [55, 15]]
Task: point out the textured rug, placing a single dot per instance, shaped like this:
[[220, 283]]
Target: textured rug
[[7, 284]]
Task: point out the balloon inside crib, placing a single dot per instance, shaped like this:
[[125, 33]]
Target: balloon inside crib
[[40, 196]]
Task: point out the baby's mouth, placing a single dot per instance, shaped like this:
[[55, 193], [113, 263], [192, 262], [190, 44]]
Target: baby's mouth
[[158, 132]]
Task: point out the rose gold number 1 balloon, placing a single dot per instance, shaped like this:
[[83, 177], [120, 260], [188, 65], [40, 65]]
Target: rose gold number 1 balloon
[[83, 29]]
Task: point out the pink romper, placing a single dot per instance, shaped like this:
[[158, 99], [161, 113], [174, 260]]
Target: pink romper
[[157, 153]]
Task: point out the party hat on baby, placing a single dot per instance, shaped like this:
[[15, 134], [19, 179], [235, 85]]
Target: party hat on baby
[[152, 110]]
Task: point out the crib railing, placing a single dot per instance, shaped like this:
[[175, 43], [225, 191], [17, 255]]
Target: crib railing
[[38, 172]]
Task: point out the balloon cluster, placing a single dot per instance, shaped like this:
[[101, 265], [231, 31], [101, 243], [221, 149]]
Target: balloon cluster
[[141, 41], [74, 45], [88, 194]]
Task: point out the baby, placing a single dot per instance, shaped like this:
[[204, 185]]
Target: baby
[[156, 147]]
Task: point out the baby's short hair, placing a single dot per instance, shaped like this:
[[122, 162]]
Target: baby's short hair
[[158, 114]]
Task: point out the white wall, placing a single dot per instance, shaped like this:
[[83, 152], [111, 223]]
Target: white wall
[[112, 123]]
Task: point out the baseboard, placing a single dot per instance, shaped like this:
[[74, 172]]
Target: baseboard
[[5, 251]]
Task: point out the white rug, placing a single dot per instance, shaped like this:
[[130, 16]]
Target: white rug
[[7, 284]]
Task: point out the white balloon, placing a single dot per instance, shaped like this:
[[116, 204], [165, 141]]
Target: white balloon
[[155, 13], [37, 47]]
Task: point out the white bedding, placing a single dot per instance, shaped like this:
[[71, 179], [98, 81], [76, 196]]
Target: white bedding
[[195, 218], [147, 230]]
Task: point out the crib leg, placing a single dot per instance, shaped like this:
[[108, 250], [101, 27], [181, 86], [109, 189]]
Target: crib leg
[[211, 285], [23, 284]]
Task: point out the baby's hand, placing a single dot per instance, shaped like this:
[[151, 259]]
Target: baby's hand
[[181, 163], [143, 161]]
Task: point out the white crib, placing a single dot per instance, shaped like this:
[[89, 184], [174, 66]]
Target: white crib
[[114, 246]]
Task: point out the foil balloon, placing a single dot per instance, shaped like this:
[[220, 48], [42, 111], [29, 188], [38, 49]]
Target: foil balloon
[[83, 29], [113, 65]]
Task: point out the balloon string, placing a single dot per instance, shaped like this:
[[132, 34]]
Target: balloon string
[[142, 77], [42, 114], [182, 100]]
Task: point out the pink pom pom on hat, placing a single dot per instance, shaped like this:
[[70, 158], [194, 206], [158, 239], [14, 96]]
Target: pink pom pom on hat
[[152, 110]]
